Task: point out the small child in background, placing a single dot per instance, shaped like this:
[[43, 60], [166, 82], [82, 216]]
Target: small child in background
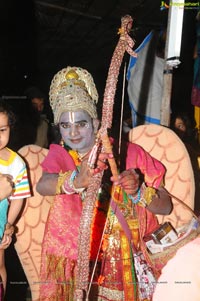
[[13, 172]]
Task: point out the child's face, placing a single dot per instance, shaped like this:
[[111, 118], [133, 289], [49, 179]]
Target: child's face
[[4, 130]]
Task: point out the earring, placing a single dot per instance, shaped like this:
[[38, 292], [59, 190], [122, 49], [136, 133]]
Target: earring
[[62, 143]]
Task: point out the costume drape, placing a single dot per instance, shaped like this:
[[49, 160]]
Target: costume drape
[[60, 244]]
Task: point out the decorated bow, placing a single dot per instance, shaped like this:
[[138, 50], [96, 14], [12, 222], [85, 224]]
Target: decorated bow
[[125, 43]]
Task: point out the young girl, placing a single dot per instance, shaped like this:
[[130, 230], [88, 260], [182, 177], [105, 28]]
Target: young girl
[[14, 169]]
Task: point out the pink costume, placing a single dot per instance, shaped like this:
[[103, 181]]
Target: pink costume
[[60, 244]]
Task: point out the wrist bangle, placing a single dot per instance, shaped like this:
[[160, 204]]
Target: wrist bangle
[[61, 179], [71, 182], [137, 198], [68, 185]]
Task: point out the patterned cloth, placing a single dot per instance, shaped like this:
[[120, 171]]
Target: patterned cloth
[[16, 167], [60, 245]]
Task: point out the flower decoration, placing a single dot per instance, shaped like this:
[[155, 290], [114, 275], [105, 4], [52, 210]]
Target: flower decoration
[[74, 154]]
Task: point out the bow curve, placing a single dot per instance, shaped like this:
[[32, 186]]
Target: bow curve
[[125, 43]]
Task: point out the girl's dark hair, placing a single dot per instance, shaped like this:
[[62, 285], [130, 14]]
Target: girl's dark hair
[[6, 109], [188, 121]]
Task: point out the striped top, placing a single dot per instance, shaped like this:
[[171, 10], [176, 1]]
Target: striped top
[[16, 167]]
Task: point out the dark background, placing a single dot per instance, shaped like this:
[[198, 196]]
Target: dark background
[[38, 38]]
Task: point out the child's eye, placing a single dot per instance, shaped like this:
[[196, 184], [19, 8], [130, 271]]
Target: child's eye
[[4, 129]]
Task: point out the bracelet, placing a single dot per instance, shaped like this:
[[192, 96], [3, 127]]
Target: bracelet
[[68, 185], [61, 179], [136, 199], [71, 182]]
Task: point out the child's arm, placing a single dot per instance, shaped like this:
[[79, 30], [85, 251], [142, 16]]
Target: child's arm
[[7, 237], [14, 210]]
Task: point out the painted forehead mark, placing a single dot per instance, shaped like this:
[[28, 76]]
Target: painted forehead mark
[[71, 117], [74, 117], [75, 122]]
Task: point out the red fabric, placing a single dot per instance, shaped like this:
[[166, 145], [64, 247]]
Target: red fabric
[[57, 160], [152, 169], [60, 243], [195, 96]]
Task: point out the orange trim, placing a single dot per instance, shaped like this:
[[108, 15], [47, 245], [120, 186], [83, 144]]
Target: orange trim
[[127, 270]]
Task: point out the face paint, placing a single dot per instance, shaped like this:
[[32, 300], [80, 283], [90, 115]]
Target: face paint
[[77, 130]]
